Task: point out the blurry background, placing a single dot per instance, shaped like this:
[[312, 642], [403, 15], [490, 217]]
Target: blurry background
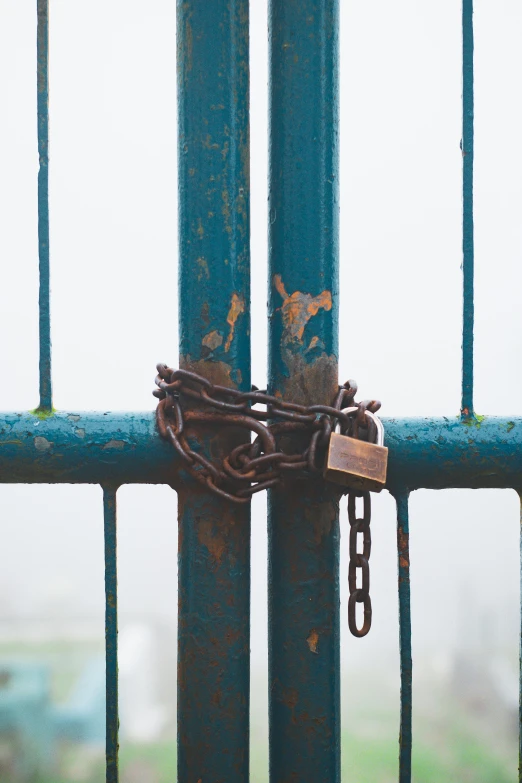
[[114, 251]]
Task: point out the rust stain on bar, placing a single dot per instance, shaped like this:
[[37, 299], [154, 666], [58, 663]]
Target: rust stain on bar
[[237, 306], [298, 308]]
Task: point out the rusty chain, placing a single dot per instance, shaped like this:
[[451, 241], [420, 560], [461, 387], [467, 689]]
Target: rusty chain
[[359, 595], [186, 398]]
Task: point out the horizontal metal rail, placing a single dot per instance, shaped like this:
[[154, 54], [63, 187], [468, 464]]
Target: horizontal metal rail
[[124, 448]]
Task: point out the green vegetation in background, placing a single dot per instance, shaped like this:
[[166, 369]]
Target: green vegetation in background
[[376, 761], [365, 760]]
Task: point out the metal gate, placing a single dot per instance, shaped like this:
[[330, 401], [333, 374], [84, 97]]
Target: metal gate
[[214, 284]]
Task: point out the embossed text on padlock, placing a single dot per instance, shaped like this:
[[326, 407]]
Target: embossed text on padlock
[[357, 464]]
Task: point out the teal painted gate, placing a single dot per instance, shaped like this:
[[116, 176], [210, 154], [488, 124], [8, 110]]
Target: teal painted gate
[[459, 451]]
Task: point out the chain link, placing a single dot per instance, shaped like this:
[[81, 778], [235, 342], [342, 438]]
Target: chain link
[[252, 466], [186, 398], [359, 527]]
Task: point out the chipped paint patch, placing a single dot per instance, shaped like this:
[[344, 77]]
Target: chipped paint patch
[[115, 444], [237, 306], [203, 268], [315, 342], [313, 641], [298, 308], [73, 417], [42, 444], [80, 432], [212, 340]]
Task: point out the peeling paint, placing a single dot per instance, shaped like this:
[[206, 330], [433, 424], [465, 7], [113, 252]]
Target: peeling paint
[[80, 432], [312, 641], [115, 444], [311, 373], [42, 444], [298, 308], [315, 342], [212, 340], [237, 306]]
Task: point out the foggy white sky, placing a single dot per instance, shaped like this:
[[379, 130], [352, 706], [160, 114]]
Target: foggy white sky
[[114, 251]]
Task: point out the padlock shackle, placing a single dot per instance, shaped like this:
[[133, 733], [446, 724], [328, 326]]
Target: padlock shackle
[[378, 423]]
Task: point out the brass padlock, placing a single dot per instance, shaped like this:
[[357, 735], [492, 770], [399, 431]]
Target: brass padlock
[[357, 464]]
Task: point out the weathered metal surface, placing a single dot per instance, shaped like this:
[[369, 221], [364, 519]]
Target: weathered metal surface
[[520, 655], [214, 309], [447, 452], [403, 564], [91, 448], [356, 463], [43, 203], [303, 326], [467, 204], [214, 649], [111, 635], [125, 448], [214, 181]]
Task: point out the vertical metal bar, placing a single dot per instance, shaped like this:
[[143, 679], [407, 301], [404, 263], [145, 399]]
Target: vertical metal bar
[[46, 402], [403, 553], [111, 635], [520, 657], [468, 248], [303, 322], [214, 535]]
